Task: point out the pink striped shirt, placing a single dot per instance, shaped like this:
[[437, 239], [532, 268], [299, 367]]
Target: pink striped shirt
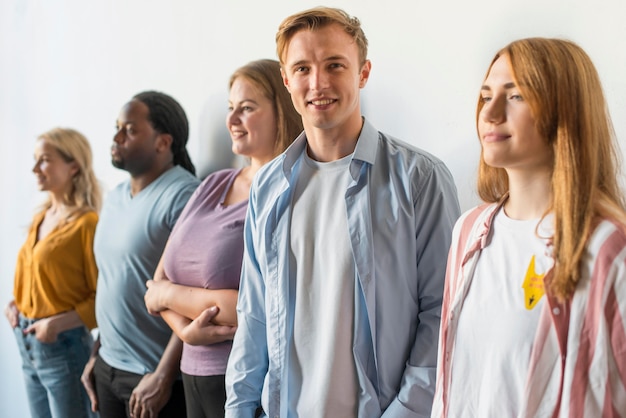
[[578, 361]]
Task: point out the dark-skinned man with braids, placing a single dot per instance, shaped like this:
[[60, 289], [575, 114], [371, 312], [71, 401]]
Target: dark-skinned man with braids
[[134, 369]]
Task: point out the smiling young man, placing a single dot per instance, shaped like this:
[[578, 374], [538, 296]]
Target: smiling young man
[[346, 242]]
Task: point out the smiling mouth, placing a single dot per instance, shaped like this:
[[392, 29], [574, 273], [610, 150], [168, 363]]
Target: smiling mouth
[[322, 102]]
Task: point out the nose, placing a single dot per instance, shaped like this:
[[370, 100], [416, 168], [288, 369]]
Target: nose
[[118, 138], [318, 80], [36, 168], [232, 118], [494, 111]]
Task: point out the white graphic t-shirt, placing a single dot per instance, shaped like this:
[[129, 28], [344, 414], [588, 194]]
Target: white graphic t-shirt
[[498, 320]]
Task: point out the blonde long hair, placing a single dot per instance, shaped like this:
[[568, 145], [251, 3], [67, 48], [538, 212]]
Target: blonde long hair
[[563, 89], [85, 193]]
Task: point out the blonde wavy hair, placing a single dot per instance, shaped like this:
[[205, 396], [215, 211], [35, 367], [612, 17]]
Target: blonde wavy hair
[[85, 194], [563, 89]]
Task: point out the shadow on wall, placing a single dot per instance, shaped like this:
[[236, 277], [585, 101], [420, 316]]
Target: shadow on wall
[[214, 147]]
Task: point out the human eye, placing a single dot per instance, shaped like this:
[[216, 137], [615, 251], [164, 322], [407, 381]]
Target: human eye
[[485, 98], [300, 69], [516, 97]]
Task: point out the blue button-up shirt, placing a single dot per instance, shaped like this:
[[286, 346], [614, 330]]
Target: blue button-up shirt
[[401, 205]]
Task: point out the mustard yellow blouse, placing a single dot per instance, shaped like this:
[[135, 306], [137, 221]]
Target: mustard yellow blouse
[[58, 273]]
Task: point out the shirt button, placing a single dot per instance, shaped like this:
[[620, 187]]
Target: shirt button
[[556, 311]]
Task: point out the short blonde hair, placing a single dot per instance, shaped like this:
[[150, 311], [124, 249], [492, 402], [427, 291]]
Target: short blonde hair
[[317, 18]]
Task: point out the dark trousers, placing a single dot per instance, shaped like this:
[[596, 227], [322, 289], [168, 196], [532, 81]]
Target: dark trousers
[[205, 396], [114, 386]]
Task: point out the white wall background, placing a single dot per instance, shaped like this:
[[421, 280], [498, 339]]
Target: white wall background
[[75, 63]]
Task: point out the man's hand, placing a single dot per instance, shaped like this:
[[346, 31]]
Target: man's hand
[[87, 380], [150, 396], [201, 331]]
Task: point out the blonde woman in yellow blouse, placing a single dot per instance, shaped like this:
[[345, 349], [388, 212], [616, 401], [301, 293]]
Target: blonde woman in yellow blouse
[[55, 278]]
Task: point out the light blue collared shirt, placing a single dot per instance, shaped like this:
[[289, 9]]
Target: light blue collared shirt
[[401, 206]]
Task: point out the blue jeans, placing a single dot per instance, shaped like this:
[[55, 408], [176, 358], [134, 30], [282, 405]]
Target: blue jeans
[[52, 372]]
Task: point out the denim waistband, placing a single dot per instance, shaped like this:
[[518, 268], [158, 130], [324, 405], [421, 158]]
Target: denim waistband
[[26, 322]]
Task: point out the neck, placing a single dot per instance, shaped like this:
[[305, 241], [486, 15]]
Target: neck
[[138, 182], [255, 165], [58, 204], [326, 145], [529, 196]]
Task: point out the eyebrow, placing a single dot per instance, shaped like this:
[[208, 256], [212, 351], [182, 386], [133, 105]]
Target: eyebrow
[[337, 57], [507, 86], [240, 102]]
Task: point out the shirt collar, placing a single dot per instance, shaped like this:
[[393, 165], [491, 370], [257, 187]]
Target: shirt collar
[[365, 150]]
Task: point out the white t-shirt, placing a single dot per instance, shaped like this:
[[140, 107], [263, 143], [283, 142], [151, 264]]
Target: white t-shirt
[[498, 321], [321, 354]]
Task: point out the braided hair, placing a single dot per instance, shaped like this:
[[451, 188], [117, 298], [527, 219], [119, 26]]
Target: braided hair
[[168, 117]]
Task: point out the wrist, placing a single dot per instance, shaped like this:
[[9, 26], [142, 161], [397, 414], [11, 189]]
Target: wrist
[[53, 325], [63, 321], [165, 377], [166, 295]]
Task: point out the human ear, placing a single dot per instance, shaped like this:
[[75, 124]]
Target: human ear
[[164, 142], [285, 79], [365, 73], [74, 168]]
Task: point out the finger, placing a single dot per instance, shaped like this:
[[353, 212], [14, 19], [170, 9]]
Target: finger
[[207, 315], [131, 404], [141, 411], [138, 411], [94, 400], [228, 332], [87, 381], [146, 412], [89, 389], [12, 313], [13, 321], [222, 332], [149, 283]]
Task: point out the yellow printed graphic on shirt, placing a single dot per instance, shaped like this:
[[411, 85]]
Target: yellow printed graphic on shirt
[[533, 286]]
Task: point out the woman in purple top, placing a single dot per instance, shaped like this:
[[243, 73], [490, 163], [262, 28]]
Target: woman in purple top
[[195, 285]]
